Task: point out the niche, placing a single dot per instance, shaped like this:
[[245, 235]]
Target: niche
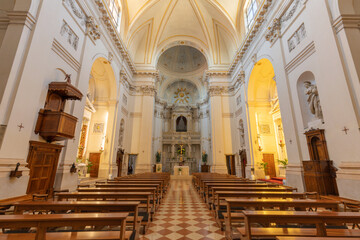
[[181, 124], [309, 101]]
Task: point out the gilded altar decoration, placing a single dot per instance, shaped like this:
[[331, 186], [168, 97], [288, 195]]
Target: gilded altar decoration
[[82, 141], [181, 96]]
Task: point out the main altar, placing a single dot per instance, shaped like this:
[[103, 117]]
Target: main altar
[[175, 162]]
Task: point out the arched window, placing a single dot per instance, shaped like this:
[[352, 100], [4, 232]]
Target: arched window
[[115, 11], [251, 9], [181, 124]]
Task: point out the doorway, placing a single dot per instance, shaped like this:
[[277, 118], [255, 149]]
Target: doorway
[[119, 161], [243, 162], [98, 120], [230, 164], [132, 164], [269, 159], [265, 122]]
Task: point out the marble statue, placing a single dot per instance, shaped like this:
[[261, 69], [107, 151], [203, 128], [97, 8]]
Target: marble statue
[[313, 99]]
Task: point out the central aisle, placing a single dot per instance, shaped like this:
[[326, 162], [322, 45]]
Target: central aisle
[[183, 215]]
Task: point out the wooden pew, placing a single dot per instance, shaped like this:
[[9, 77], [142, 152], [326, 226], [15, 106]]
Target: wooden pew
[[42, 222], [107, 196], [221, 195], [125, 189], [310, 238], [83, 206], [248, 189], [209, 185], [163, 183], [120, 185], [234, 215], [303, 217]]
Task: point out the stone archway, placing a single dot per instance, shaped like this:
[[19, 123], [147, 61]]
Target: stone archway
[[265, 124], [95, 145]]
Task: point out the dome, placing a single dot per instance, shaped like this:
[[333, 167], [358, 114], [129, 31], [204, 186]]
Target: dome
[[182, 59]]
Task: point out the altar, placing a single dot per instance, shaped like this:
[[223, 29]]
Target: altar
[[181, 170], [190, 163]]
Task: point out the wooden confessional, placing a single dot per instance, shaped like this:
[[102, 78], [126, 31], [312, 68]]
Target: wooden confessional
[[319, 172]]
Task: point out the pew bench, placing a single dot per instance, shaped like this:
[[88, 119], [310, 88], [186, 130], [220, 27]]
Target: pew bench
[[318, 219], [308, 238], [220, 203], [135, 185], [154, 199], [83, 206], [42, 222], [234, 216]]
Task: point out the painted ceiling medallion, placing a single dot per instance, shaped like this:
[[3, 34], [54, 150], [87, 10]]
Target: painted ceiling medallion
[[181, 96]]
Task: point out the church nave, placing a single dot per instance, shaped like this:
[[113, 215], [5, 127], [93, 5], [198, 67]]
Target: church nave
[[183, 215]]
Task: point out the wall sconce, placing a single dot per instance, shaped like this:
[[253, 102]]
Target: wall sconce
[[73, 168], [16, 172]]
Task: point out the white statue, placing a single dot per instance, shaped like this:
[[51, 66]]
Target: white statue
[[313, 99]]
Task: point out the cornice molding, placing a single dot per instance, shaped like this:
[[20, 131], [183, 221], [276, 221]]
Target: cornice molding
[[220, 90], [251, 34], [114, 35], [346, 21], [22, 18]]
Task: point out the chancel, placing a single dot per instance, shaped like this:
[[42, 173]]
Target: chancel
[[179, 119]]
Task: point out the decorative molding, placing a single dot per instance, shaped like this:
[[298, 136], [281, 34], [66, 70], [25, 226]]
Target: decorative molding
[[290, 11], [124, 111], [75, 8], [251, 34], [70, 36], [220, 90], [301, 57], [92, 29], [115, 35], [227, 115], [22, 18], [346, 21], [297, 37], [65, 55], [273, 32], [147, 90], [136, 115], [238, 112], [279, 24]]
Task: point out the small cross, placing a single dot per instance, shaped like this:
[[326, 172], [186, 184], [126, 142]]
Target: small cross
[[20, 127], [345, 130]]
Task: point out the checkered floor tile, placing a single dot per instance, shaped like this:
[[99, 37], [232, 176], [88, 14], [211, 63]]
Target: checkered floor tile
[[183, 215]]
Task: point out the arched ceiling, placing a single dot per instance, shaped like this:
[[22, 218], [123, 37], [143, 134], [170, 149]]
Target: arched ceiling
[[151, 26]]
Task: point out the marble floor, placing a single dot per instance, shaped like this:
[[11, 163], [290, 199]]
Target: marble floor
[[183, 215]]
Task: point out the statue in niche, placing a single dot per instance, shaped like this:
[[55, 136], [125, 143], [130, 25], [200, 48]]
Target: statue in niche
[[313, 99], [242, 133]]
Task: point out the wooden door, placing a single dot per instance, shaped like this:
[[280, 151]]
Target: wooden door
[[230, 163], [42, 161], [243, 161], [269, 159], [119, 161], [94, 158]]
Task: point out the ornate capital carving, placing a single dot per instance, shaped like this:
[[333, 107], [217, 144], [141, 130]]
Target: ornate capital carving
[[220, 90], [92, 29], [273, 31]]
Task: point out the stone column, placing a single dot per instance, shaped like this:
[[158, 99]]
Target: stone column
[[146, 125], [217, 133]]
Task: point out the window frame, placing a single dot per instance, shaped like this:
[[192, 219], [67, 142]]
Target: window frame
[[252, 7], [114, 8]]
